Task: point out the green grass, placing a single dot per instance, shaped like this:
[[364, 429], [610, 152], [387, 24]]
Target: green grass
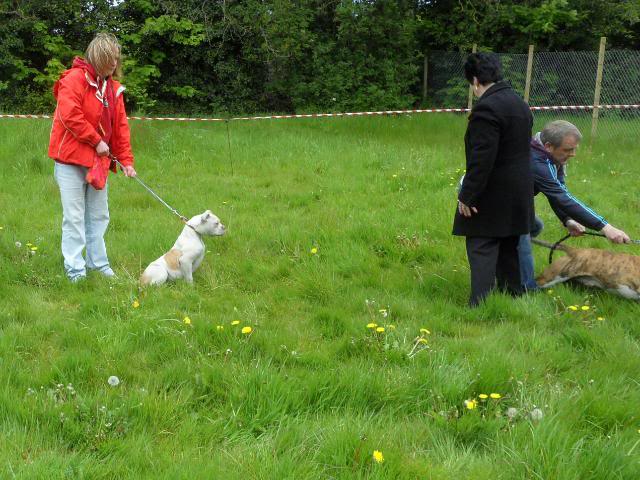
[[312, 392]]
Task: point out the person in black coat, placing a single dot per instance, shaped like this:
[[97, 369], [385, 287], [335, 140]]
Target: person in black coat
[[495, 201]]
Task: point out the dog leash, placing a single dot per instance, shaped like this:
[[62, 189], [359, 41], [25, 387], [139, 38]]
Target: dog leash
[[595, 234], [157, 197]]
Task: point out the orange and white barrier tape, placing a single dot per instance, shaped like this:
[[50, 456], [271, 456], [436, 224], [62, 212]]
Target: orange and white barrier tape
[[346, 114]]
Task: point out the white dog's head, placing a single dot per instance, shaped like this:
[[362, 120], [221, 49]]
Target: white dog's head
[[207, 224]]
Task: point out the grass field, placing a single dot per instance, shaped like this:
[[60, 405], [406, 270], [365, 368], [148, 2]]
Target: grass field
[[311, 392]]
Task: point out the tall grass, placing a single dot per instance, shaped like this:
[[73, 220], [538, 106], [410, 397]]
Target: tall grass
[[311, 392]]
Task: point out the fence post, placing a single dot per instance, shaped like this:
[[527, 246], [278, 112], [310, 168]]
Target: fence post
[[424, 78], [470, 101], [527, 84], [596, 97]]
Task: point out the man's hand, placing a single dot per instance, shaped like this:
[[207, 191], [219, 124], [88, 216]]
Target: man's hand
[[615, 235], [102, 149], [129, 171], [575, 229], [466, 211]]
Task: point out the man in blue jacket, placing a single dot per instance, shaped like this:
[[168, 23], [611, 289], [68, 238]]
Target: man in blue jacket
[[551, 150]]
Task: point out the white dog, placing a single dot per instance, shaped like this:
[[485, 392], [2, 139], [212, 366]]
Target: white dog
[[186, 254]]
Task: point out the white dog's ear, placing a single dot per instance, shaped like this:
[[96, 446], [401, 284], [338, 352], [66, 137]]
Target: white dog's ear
[[205, 216]]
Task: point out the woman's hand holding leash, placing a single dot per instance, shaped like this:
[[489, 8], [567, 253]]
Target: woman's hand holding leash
[[128, 171]]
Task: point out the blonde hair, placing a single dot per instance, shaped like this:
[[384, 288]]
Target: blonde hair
[[102, 51]]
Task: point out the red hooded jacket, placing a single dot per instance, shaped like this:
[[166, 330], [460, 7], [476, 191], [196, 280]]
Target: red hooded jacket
[[80, 114]]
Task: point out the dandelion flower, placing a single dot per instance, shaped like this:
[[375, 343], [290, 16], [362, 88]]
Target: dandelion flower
[[423, 340], [377, 456], [483, 396], [186, 321], [394, 175], [219, 327], [380, 329], [470, 404], [113, 381], [425, 331], [235, 322], [246, 330], [136, 304], [34, 248], [600, 319], [314, 250], [573, 307], [372, 325], [495, 396], [585, 307]]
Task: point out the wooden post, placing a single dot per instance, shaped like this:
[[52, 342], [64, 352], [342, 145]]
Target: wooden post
[[596, 97], [527, 83], [470, 102], [424, 78]]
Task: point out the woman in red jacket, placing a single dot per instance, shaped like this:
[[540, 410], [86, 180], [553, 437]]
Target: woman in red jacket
[[89, 123]]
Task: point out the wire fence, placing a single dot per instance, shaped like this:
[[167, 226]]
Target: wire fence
[[556, 79]]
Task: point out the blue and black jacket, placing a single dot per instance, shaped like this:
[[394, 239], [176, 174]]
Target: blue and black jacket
[[549, 179]]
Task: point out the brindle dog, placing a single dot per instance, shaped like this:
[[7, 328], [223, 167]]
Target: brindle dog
[[614, 272]]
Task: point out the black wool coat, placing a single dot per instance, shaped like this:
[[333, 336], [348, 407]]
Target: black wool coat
[[498, 180]]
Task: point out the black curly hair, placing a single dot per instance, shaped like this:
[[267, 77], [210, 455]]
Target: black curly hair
[[484, 66]]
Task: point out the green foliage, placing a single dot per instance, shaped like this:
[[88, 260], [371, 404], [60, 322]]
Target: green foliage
[[283, 55]]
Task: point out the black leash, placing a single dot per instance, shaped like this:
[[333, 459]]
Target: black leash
[[595, 234]]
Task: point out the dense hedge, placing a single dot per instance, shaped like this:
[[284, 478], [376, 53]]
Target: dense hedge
[[192, 57]]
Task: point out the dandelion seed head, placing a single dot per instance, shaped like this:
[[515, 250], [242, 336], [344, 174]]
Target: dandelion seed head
[[113, 381]]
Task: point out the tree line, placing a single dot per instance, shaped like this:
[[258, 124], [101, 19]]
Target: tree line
[[247, 56]]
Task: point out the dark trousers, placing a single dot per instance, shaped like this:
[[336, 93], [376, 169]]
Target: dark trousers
[[493, 260]]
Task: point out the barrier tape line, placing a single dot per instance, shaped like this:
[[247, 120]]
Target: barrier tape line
[[345, 114]]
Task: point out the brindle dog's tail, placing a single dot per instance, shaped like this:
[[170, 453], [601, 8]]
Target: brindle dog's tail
[[559, 246]]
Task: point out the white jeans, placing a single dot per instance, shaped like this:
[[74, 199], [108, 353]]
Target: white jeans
[[85, 216]]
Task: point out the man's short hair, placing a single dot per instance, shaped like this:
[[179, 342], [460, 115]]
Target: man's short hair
[[484, 66], [554, 132]]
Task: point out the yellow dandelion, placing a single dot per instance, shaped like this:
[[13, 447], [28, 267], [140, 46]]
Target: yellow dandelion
[[377, 456], [235, 322], [470, 404], [372, 325], [34, 248], [600, 319], [483, 396], [219, 327], [136, 304], [573, 307], [186, 321], [314, 250], [29, 244], [394, 175], [1, 228], [423, 340], [425, 331], [495, 396], [585, 307], [246, 330], [380, 329]]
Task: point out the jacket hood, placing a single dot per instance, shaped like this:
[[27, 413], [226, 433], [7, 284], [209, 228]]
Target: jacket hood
[[78, 63], [537, 148]]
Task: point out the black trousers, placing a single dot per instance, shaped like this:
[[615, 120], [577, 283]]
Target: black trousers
[[493, 261]]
